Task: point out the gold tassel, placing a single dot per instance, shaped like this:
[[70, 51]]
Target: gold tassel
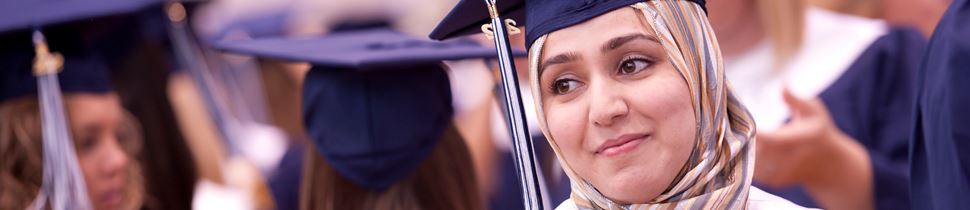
[[45, 62]]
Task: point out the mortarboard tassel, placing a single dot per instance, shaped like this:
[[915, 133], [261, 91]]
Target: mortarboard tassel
[[246, 138], [524, 154], [63, 185]]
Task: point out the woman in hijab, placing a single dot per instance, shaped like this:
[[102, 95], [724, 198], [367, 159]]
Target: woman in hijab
[[632, 97]]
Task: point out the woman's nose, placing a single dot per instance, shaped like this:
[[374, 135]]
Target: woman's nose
[[115, 159], [606, 105]]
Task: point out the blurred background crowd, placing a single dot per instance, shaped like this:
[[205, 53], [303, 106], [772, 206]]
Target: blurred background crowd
[[203, 126]]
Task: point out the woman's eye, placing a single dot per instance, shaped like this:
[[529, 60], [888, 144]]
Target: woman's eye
[[563, 86], [631, 66], [87, 143], [127, 139]]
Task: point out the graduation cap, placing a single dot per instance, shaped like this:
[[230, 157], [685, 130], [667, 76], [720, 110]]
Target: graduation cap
[[468, 16], [77, 30], [21, 14], [375, 102], [82, 72], [542, 16]]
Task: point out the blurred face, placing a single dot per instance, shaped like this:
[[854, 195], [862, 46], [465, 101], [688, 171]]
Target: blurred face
[[723, 13], [737, 24], [96, 121], [618, 109]]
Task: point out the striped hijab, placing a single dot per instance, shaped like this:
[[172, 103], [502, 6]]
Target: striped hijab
[[718, 173]]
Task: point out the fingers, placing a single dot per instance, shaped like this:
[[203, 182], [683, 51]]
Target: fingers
[[794, 130], [801, 108], [797, 106]]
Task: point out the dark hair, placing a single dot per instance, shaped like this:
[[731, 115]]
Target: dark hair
[[445, 180]]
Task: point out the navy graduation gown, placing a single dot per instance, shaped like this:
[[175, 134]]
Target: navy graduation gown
[[872, 103], [284, 183], [941, 133], [508, 195]]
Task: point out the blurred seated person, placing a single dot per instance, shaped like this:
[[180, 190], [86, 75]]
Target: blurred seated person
[[831, 95]]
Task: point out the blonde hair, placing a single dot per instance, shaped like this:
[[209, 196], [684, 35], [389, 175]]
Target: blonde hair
[[864, 8], [784, 25], [21, 165], [445, 180]]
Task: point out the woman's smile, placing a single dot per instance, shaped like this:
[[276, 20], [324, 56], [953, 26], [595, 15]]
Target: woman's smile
[[621, 144]]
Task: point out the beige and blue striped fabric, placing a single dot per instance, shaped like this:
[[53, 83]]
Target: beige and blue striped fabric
[[718, 174]]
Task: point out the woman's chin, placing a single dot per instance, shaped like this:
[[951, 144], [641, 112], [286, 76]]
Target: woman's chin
[[633, 187], [631, 197]]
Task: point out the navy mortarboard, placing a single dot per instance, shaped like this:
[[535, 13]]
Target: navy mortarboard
[[82, 71], [24, 15], [468, 16], [541, 16], [375, 102], [61, 32], [360, 50]]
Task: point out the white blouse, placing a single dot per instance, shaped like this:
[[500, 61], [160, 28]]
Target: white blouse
[[831, 43]]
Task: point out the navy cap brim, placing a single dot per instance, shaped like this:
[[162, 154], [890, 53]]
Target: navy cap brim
[[83, 72], [360, 50], [468, 16], [544, 16], [26, 14]]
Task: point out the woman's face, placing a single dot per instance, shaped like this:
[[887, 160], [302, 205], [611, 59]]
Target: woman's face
[[96, 124], [616, 106]]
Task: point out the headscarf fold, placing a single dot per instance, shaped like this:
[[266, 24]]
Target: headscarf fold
[[718, 173]]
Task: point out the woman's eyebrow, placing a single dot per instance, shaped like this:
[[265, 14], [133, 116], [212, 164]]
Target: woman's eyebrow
[[619, 41], [558, 59]]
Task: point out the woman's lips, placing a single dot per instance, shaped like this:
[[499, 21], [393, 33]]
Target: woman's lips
[[620, 145], [112, 199]]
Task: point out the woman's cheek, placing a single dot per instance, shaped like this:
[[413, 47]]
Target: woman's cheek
[[567, 126], [670, 106], [666, 98]]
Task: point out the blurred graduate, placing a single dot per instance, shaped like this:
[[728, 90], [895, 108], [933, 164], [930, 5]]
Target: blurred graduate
[[832, 96], [119, 53], [66, 142], [106, 138], [477, 115], [377, 107], [940, 146]]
